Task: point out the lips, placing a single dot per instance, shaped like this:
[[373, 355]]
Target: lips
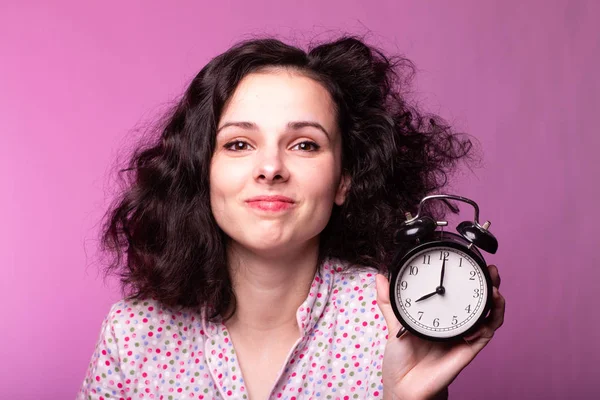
[[271, 199], [270, 203]]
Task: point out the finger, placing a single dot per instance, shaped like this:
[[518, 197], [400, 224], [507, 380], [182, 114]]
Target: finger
[[495, 275], [383, 301], [493, 321], [496, 318]]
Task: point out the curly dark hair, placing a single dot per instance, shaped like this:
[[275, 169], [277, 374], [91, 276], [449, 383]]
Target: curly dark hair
[[395, 155]]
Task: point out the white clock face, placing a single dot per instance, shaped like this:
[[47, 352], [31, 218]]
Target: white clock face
[[434, 311]]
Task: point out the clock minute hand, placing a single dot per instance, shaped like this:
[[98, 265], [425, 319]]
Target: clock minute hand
[[443, 270], [426, 296]]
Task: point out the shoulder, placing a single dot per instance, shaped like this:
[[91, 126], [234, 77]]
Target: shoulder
[[142, 323], [354, 295], [135, 336], [351, 281]]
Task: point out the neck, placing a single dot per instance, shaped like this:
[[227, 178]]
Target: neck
[[269, 289]]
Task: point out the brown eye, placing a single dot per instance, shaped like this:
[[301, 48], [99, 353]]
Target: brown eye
[[236, 145], [308, 146]]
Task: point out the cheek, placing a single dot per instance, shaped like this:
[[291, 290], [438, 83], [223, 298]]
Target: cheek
[[223, 184], [320, 181], [226, 178]]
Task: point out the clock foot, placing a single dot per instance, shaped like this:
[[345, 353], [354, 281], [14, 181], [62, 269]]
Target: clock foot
[[401, 332]]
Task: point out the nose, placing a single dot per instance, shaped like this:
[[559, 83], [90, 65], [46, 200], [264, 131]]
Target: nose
[[270, 166]]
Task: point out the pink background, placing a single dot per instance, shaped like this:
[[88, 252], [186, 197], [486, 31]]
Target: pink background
[[76, 80]]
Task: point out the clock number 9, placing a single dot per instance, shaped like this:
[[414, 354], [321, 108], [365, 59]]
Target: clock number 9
[[403, 285]]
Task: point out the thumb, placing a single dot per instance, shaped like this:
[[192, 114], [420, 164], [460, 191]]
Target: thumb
[[383, 301]]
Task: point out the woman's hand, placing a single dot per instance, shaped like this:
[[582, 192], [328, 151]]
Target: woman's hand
[[418, 369]]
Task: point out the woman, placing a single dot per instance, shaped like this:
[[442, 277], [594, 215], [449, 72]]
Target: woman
[[255, 227]]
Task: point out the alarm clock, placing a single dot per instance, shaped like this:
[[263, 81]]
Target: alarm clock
[[440, 288]]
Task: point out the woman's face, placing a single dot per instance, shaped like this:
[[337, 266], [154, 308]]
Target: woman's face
[[277, 136]]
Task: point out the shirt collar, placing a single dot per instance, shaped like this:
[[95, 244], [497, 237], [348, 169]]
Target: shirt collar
[[311, 310]]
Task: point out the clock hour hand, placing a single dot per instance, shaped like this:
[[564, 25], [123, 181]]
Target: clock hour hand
[[426, 296]]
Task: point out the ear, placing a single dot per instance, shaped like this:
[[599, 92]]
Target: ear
[[342, 190]]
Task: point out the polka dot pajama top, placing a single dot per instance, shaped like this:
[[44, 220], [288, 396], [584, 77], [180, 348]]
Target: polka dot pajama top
[[148, 351]]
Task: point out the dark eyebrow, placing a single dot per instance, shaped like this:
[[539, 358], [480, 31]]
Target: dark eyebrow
[[295, 125]]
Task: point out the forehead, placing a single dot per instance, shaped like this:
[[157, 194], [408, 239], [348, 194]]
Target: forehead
[[275, 97]]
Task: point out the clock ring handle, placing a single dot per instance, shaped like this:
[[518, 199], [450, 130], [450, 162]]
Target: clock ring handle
[[477, 234], [448, 196]]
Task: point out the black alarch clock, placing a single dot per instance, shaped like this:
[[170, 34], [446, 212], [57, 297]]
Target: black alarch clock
[[441, 289]]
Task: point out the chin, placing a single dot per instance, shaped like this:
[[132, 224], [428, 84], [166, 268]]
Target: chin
[[268, 245], [272, 247]]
